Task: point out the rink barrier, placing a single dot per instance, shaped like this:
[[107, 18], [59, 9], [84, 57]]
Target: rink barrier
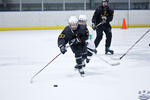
[[58, 27], [31, 28], [130, 26]]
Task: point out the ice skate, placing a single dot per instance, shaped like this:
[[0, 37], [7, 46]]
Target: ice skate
[[108, 51]]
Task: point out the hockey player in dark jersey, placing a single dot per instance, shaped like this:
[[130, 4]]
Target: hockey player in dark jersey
[[76, 35], [102, 17], [90, 44]]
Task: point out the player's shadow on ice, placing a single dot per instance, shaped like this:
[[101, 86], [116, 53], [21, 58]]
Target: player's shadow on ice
[[90, 73], [87, 73]]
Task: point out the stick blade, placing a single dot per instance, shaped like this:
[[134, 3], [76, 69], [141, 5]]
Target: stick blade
[[113, 58], [115, 64], [31, 80]]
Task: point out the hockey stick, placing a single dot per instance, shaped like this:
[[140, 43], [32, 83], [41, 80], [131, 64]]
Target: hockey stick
[[134, 44], [98, 25], [31, 80], [92, 50], [106, 61], [109, 63]]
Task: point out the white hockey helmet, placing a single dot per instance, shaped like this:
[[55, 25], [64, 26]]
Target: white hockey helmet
[[105, 0], [82, 18], [73, 22]]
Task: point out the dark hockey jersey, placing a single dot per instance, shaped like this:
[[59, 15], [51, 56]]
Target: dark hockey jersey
[[68, 34], [103, 11]]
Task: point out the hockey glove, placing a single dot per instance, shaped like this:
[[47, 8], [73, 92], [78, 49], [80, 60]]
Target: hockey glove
[[93, 26], [76, 41], [63, 49]]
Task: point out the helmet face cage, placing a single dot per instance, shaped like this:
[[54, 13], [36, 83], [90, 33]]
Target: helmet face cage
[[73, 26], [73, 22], [82, 19], [105, 2]]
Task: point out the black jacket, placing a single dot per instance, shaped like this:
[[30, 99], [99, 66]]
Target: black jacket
[[102, 11]]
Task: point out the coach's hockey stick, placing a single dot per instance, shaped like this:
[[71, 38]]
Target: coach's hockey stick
[[98, 25], [134, 44]]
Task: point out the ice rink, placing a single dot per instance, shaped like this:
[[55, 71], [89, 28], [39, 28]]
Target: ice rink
[[23, 53]]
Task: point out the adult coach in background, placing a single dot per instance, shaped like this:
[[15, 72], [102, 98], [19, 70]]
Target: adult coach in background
[[102, 17]]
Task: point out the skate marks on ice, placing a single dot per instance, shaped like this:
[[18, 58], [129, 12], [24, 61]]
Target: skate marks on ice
[[87, 74], [11, 61], [88, 71], [97, 66], [92, 69], [138, 54]]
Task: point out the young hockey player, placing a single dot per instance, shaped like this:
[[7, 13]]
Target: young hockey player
[[90, 43], [76, 36], [102, 17]]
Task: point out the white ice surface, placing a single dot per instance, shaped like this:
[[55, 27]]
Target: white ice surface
[[23, 53]]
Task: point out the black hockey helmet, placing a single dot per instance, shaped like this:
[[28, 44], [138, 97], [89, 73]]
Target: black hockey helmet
[[105, 3]]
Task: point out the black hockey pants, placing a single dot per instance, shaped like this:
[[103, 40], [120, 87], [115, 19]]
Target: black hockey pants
[[80, 52], [108, 33]]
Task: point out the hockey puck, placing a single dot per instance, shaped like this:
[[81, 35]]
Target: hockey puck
[[55, 85], [149, 44]]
